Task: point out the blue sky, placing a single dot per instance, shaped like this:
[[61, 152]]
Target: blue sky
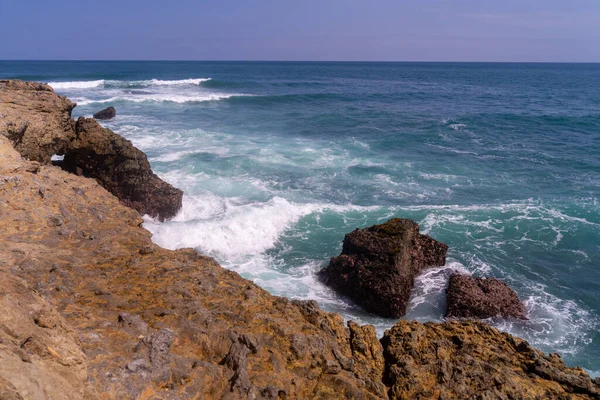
[[378, 30]]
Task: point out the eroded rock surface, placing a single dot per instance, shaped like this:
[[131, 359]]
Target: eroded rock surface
[[155, 323], [38, 123], [91, 308], [481, 298], [378, 265], [40, 354], [471, 360]]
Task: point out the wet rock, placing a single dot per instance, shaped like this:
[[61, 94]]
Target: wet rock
[[378, 265], [466, 360], [107, 113], [481, 298]]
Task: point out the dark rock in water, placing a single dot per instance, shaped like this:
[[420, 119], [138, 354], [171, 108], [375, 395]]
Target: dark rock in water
[[107, 113], [378, 265], [480, 298], [120, 168], [471, 360]]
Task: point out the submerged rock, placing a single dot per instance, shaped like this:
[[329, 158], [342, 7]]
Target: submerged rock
[[107, 113], [481, 298], [378, 265], [468, 360]]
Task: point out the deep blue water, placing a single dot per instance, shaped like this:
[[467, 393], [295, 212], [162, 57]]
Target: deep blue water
[[279, 160]]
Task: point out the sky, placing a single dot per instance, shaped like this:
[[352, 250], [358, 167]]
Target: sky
[[311, 30]]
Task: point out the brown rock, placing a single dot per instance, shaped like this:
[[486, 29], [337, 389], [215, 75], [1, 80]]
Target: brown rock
[[107, 113], [36, 121], [166, 324], [481, 298], [467, 360], [378, 265], [120, 168], [41, 354], [39, 125]]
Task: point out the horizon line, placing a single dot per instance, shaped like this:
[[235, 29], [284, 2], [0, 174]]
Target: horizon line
[[302, 61]]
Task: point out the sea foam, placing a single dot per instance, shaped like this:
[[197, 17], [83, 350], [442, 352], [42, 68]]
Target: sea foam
[[76, 84]]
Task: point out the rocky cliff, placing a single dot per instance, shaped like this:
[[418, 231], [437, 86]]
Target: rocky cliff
[[91, 308]]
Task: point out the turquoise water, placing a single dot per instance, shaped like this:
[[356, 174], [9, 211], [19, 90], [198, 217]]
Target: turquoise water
[[279, 160]]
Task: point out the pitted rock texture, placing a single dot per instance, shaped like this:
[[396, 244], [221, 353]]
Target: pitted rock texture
[[38, 123], [481, 298], [107, 113], [471, 360], [40, 354], [163, 324], [378, 265]]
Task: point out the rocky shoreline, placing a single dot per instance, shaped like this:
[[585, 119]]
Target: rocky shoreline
[[91, 308]]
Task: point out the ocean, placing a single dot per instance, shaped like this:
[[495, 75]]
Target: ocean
[[278, 160]]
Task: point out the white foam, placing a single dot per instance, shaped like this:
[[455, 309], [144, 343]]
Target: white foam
[[457, 127], [76, 84], [162, 97], [230, 230], [195, 81]]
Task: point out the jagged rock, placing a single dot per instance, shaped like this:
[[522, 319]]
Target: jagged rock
[[123, 323], [378, 265], [481, 298], [41, 355], [467, 360], [121, 168], [107, 113], [167, 324], [38, 123]]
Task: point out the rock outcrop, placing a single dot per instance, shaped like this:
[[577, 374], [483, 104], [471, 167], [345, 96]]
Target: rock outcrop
[[378, 265], [120, 168], [91, 308], [38, 123], [107, 113], [35, 120], [155, 323], [471, 360], [481, 298]]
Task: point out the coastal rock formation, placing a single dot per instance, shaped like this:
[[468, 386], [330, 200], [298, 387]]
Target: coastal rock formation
[[481, 298], [471, 360], [378, 265], [107, 113], [40, 354], [91, 308], [38, 123], [120, 168], [155, 323]]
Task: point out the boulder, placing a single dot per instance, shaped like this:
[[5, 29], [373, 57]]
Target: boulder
[[378, 265], [481, 298], [472, 360], [107, 113]]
